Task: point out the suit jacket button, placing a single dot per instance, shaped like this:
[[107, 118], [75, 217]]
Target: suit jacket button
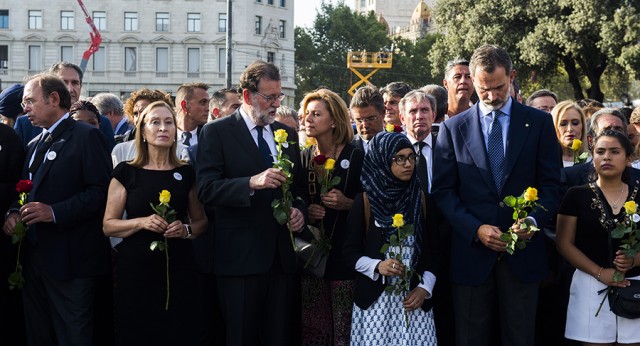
[[501, 204]]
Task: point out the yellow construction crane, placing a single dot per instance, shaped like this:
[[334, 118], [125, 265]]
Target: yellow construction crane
[[367, 60]]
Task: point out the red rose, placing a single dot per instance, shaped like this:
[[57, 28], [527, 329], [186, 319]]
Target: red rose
[[24, 186], [397, 128], [320, 159]]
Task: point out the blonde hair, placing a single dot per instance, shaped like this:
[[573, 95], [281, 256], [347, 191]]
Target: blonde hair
[[142, 148], [343, 132], [559, 111]]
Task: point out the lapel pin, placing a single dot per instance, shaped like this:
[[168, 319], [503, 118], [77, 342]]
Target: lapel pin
[[344, 164], [177, 176], [0, 147], [526, 125], [51, 155]]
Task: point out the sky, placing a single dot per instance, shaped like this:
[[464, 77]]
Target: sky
[[304, 11]]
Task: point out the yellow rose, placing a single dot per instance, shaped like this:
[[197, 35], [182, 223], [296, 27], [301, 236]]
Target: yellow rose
[[576, 145], [281, 136], [310, 142], [165, 197], [398, 220], [390, 128], [329, 164], [531, 194], [630, 207]]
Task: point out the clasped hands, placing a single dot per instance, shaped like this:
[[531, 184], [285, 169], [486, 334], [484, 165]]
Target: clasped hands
[[157, 224], [490, 235], [333, 199], [30, 213], [415, 298]]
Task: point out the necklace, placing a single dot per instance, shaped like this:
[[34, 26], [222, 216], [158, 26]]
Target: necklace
[[615, 204]]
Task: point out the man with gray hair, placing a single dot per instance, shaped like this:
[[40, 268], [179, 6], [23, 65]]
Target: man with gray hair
[[111, 107], [457, 81], [367, 110], [392, 93]]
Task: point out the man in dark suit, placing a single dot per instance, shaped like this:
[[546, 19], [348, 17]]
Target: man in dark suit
[[495, 149], [71, 75], [65, 249], [254, 261], [367, 110]]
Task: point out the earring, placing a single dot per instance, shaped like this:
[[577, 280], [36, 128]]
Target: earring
[[144, 140], [333, 126]]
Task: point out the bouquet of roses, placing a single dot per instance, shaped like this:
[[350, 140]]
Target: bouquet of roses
[[282, 207], [522, 205], [394, 249], [393, 128], [16, 279], [164, 211]]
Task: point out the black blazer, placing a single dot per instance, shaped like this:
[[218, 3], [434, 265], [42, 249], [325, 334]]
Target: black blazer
[[358, 142], [74, 183], [359, 242], [247, 237], [11, 161]]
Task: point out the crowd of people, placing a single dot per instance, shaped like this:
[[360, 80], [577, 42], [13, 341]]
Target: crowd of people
[[158, 220]]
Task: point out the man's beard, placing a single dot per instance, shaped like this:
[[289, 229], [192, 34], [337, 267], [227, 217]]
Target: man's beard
[[258, 117]]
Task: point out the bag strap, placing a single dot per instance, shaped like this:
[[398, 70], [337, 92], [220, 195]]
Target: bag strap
[[367, 209]]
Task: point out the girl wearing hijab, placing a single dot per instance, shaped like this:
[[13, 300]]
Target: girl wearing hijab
[[391, 187]]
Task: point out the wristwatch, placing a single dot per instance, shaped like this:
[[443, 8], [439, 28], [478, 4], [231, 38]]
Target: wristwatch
[[188, 229]]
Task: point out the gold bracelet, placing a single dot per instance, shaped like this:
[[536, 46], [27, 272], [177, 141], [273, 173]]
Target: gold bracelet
[[599, 273]]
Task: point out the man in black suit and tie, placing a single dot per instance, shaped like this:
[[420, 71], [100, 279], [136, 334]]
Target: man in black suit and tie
[[65, 249], [367, 110], [254, 261], [497, 148]]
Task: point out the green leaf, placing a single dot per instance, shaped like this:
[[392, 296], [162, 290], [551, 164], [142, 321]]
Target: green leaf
[[280, 216], [505, 236], [389, 289], [154, 245], [335, 181], [521, 244], [514, 215], [618, 276], [510, 201], [619, 231], [384, 248], [393, 240], [522, 214]]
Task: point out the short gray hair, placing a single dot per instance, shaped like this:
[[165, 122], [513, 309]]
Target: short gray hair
[[593, 126], [107, 103], [417, 96]]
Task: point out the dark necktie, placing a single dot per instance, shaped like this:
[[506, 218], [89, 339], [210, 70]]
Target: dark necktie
[[186, 138], [423, 174], [495, 151], [264, 147], [42, 147]]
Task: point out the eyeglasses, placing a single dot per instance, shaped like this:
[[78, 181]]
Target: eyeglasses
[[271, 99], [367, 120], [400, 160], [27, 102]]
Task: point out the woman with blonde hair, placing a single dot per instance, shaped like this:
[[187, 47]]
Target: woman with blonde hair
[[570, 124], [154, 297], [327, 301]]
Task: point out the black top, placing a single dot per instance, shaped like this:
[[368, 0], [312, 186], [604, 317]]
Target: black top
[[591, 237], [335, 221]]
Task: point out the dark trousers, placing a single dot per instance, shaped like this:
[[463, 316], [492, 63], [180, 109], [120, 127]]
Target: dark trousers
[[516, 308], [11, 311], [258, 309], [57, 312], [212, 328]]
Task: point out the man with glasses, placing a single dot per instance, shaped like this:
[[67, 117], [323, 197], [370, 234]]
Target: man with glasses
[[254, 261], [367, 110]]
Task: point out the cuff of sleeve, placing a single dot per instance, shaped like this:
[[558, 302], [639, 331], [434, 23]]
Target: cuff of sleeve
[[53, 215], [367, 266], [429, 280]]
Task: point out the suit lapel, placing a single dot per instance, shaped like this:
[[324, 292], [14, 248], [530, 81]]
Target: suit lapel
[[519, 128], [54, 152], [240, 131], [471, 133], [31, 148]]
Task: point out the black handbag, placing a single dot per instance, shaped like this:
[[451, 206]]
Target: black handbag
[[625, 301]]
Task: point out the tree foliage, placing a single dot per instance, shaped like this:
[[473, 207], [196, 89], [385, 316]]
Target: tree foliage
[[585, 38], [321, 52]]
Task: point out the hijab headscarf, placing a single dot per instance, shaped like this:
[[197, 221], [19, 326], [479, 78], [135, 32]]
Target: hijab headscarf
[[387, 194]]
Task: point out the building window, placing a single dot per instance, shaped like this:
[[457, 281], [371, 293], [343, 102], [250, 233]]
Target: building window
[[162, 21], [222, 22], [35, 19], [4, 19], [270, 2], [66, 20], [193, 60], [271, 57], [4, 57], [131, 21], [193, 22], [281, 28], [130, 59], [162, 60], [35, 58], [258, 25], [283, 3], [99, 60], [100, 20], [222, 60], [259, 1], [66, 53]]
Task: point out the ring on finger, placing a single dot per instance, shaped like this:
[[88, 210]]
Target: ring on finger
[[393, 266]]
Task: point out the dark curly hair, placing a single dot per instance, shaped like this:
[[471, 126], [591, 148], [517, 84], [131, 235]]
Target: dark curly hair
[[84, 105]]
